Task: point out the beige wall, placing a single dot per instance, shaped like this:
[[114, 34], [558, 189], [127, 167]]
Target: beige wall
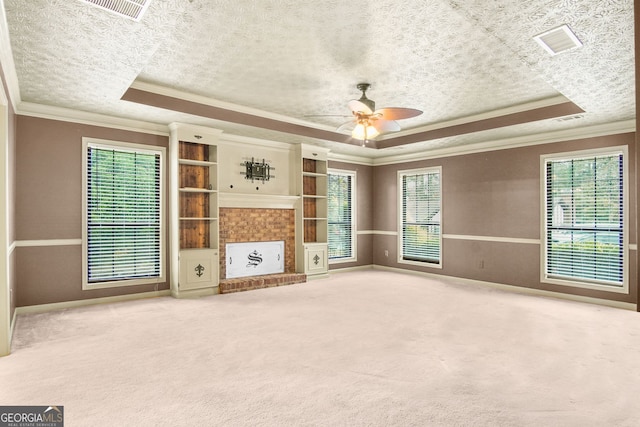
[[48, 207], [494, 194], [364, 220], [497, 195]]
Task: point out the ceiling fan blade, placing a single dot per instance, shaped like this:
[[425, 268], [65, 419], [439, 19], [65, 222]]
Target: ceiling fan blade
[[398, 113], [347, 126], [382, 125], [358, 107]]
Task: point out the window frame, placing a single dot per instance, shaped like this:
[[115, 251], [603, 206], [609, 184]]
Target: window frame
[[88, 143], [354, 255], [577, 282], [400, 211]]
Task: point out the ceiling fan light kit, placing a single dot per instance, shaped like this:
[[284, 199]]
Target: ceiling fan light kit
[[371, 122], [364, 131]]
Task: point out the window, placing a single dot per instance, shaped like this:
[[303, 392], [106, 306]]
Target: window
[[585, 221], [123, 224], [420, 216], [341, 213]]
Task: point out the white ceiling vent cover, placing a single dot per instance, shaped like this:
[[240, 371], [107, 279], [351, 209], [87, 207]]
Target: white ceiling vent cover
[[558, 40], [132, 9]]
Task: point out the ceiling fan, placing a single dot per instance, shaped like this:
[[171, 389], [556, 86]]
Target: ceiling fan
[[369, 122]]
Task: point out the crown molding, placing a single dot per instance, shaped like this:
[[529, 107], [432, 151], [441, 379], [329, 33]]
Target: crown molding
[[348, 158], [92, 119], [615, 128]]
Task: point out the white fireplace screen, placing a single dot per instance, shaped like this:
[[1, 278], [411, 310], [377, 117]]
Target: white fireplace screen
[[254, 258]]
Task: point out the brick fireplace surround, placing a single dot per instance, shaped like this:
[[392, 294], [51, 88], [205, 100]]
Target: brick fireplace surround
[[239, 225]]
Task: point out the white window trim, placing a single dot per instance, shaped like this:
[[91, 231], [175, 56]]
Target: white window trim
[[572, 155], [132, 147], [419, 171], [354, 216]]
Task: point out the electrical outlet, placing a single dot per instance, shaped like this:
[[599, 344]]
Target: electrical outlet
[[386, 252]]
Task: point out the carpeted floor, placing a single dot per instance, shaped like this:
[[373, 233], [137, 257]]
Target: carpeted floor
[[370, 348]]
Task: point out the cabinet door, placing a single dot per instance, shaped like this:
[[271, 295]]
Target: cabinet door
[[198, 268], [315, 259]]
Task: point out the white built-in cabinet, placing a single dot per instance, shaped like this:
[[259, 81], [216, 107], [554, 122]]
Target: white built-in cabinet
[[195, 199], [311, 217], [194, 210]]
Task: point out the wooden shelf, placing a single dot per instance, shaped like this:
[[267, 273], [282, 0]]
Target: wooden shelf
[[314, 174], [196, 190], [196, 162], [195, 218]]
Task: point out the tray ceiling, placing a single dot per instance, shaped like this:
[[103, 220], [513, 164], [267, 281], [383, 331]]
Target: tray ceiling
[[285, 70]]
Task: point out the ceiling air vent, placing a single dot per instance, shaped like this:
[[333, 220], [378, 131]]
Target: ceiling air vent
[[132, 9], [558, 40], [569, 118]]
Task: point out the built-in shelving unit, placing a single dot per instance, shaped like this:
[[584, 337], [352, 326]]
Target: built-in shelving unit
[[312, 218], [195, 231], [314, 200], [198, 195]]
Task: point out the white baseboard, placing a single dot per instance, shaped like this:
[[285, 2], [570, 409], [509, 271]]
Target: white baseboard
[[311, 277], [13, 322], [13, 326], [43, 308], [516, 289]]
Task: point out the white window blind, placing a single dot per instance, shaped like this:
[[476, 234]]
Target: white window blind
[[123, 214], [421, 214], [340, 215], [584, 235]]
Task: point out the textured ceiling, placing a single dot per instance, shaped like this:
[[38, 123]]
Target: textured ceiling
[[299, 61]]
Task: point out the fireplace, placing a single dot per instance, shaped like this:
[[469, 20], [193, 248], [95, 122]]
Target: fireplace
[[243, 225], [249, 226]]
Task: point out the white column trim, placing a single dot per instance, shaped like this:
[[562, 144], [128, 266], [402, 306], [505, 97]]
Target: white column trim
[[5, 265]]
